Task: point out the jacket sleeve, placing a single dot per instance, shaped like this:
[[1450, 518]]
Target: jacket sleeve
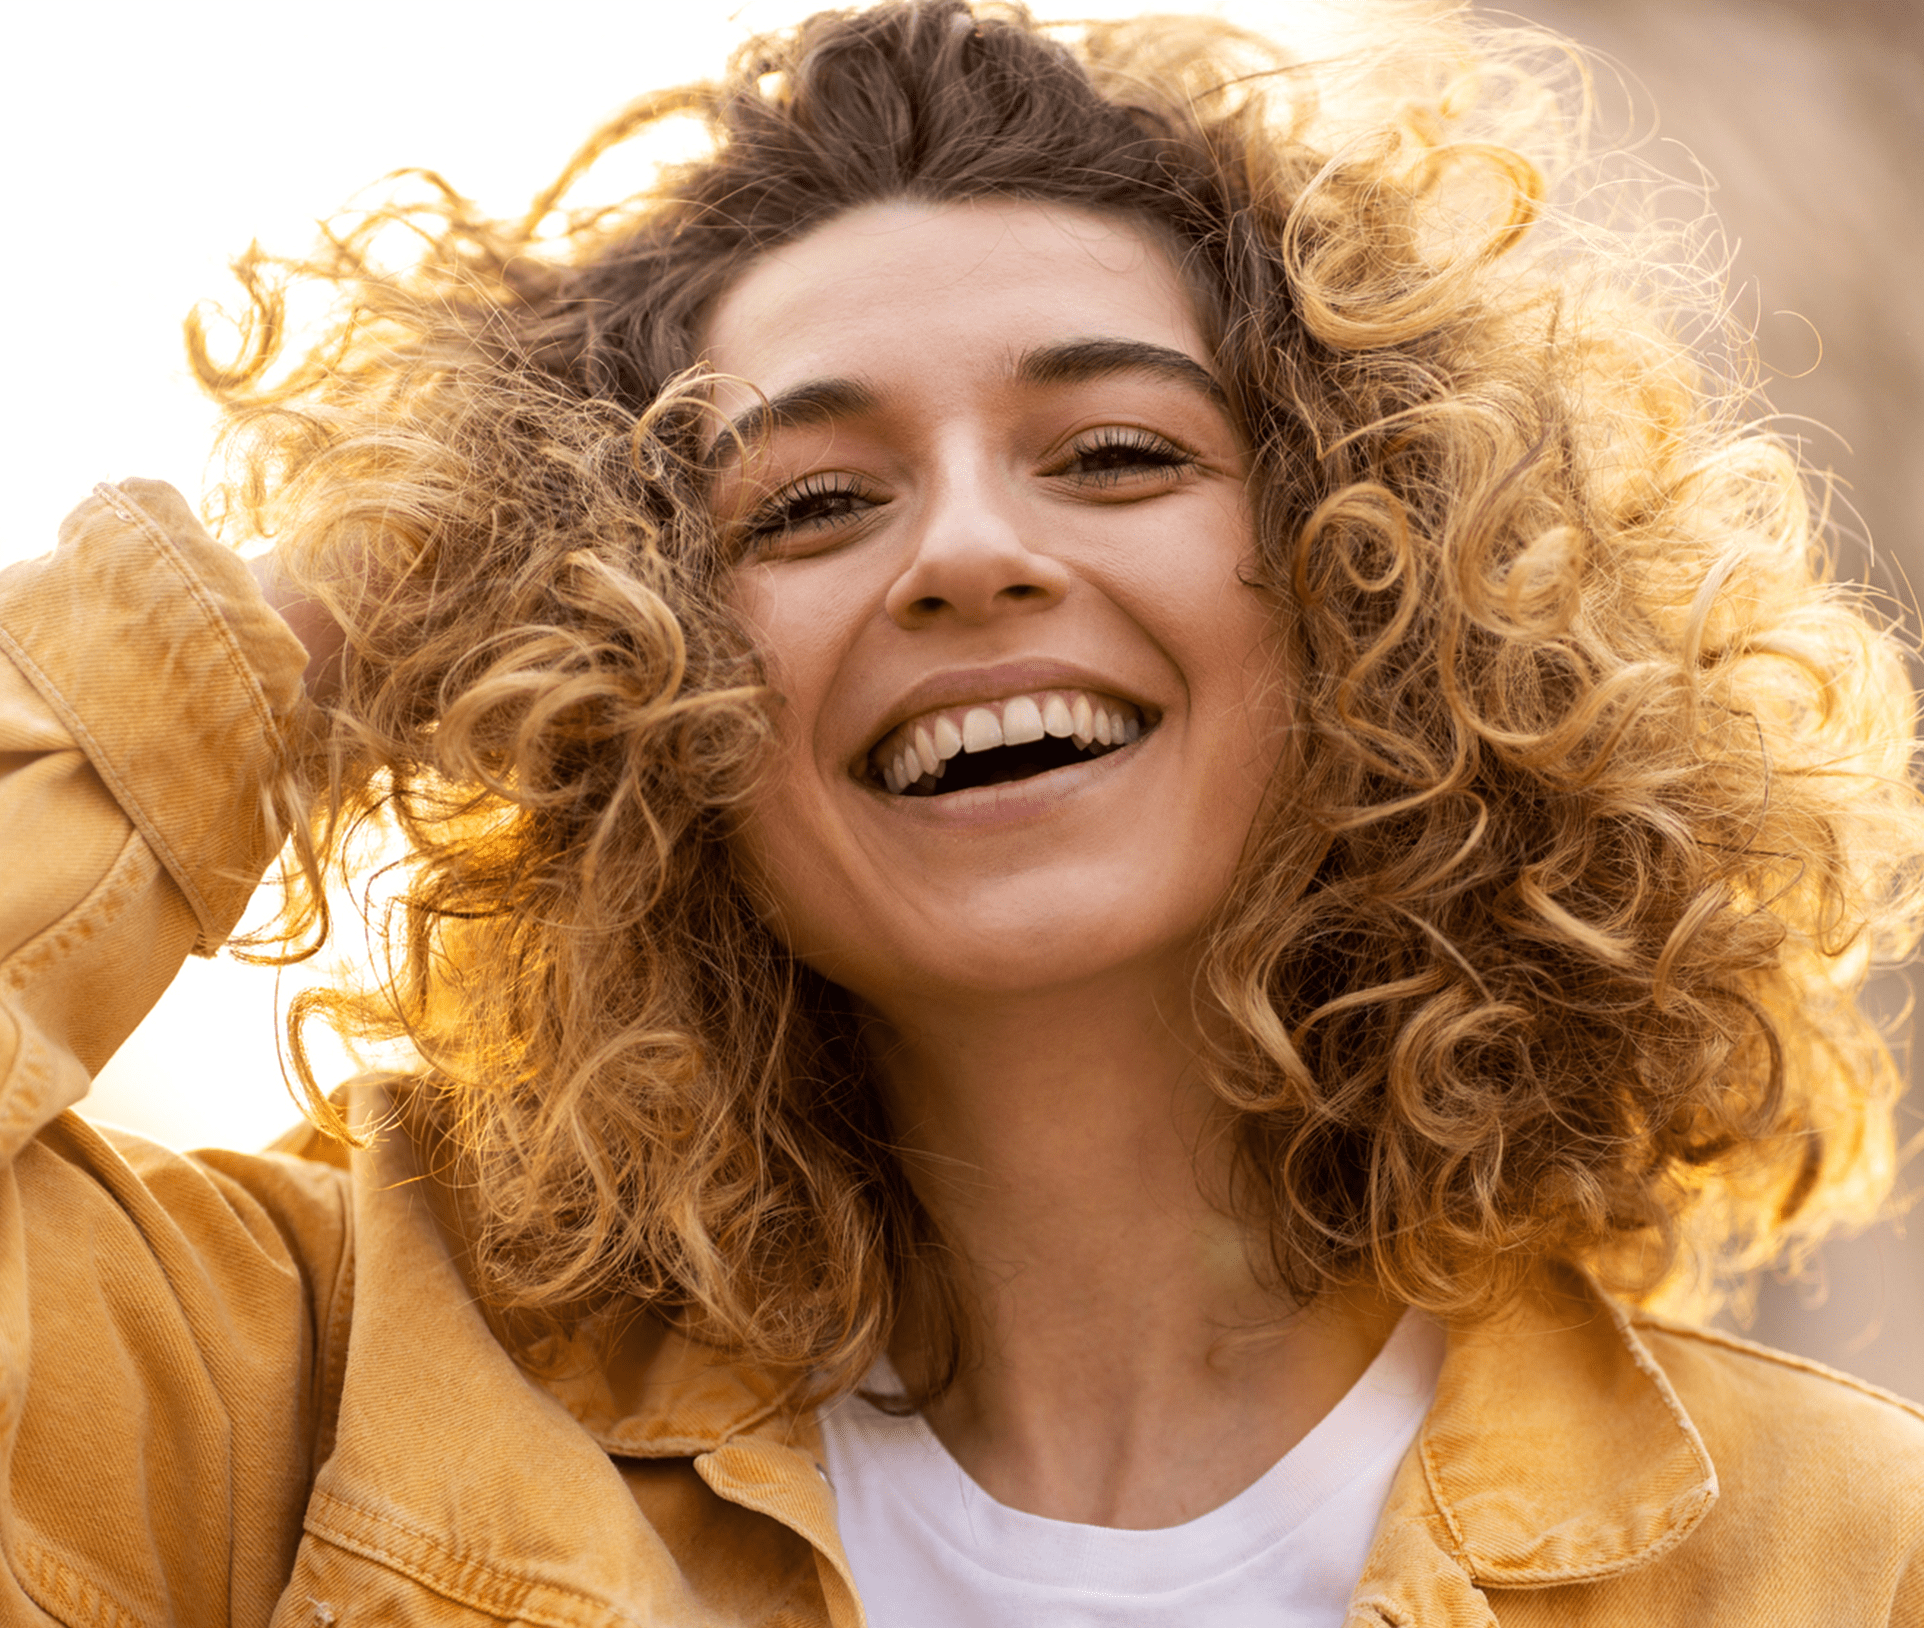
[[167, 1325]]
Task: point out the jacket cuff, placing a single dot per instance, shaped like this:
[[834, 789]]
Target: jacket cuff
[[153, 646]]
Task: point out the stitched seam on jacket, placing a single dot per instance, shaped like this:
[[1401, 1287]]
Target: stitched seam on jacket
[[28, 1079], [1649, 1367], [508, 1597], [1781, 1359], [1433, 1479], [100, 905], [333, 1368], [23, 1087], [618, 1445], [124, 506], [217, 623], [1610, 1568], [1707, 1490], [66, 1596], [749, 1426], [1375, 1613]]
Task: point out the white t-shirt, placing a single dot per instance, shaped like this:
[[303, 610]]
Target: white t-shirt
[[931, 1549]]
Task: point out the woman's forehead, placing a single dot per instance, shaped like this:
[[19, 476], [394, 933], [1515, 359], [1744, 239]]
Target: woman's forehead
[[911, 286]]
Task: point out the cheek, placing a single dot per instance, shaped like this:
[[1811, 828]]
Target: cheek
[[792, 649], [803, 619], [1268, 721], [781, 849], [1232, 646], [783, 837]]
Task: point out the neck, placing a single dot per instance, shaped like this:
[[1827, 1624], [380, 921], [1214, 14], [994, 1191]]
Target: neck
[[1127, 1366]]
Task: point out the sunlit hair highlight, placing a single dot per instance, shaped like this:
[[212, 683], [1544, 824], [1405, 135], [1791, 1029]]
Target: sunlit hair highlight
[[1596, 808]]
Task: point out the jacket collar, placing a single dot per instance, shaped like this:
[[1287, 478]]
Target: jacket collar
[[652, 1393], [1556, 1452], [429, 1471]]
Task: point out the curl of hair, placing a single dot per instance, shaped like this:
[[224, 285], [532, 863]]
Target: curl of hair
[[1597, 806]]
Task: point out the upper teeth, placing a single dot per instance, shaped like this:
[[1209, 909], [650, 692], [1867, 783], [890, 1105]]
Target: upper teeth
[[923, 746]]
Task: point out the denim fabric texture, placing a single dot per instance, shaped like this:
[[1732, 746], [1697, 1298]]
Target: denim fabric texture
[[254, 1388]]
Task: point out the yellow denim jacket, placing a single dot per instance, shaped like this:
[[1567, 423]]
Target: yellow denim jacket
[[252, 1388]]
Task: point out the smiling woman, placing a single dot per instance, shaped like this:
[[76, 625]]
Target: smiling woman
[[1018, 518], [1129, 812]]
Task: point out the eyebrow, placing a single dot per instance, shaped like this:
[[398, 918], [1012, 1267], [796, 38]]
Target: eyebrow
[[1077, 361], [817, 401], [1069, 361]]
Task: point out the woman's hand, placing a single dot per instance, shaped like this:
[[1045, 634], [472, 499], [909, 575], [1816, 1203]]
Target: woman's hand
[[311, 621]]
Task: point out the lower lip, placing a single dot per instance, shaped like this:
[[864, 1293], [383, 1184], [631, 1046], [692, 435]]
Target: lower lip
[[1014, 800]]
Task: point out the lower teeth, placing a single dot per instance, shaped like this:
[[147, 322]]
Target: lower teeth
[[985, 771]]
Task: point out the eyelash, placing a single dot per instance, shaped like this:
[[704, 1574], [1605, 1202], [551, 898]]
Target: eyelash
[[824, 500], [784, 512], [1146, 450]]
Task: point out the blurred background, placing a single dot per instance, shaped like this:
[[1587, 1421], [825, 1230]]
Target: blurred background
[[1808, 115], [141, 147]]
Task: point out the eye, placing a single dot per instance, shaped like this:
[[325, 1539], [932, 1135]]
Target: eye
[[1111, 457], [814, 504]]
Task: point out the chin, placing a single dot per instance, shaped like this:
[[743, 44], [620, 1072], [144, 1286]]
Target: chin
[[1071, 955]]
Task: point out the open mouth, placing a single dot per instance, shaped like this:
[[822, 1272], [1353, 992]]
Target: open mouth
[[989, 743]]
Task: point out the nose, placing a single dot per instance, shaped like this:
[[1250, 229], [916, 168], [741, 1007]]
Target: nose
[[971, 558]]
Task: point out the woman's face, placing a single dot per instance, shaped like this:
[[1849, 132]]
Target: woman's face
[[991, 539]]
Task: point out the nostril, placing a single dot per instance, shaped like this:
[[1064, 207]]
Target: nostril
[[971, 596]]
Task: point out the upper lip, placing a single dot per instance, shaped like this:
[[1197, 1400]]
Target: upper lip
[[960, 686]]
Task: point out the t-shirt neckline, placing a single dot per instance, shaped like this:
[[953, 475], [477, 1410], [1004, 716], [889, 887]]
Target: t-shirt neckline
[[1380, 1412]]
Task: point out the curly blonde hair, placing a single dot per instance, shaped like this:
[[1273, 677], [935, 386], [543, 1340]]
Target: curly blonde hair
[[1598, 802]]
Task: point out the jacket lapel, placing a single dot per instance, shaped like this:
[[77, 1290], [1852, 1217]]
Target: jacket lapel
[[659, 1395], [458, 1484], [1556, 1452]]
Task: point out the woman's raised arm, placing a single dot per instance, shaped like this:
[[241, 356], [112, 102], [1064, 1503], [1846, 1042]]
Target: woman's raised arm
[[147, 690], [166, 1323]]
